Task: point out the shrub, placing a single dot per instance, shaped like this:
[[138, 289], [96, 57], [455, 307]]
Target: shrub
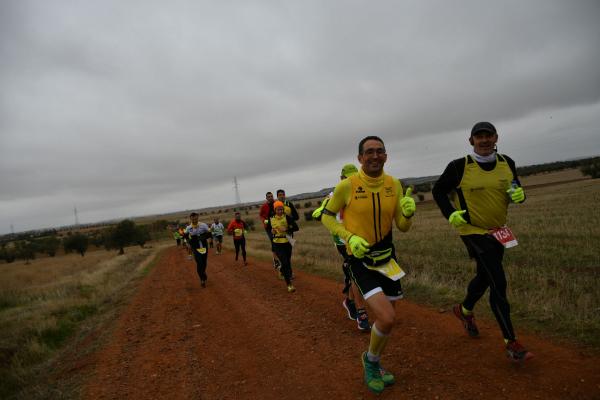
[[25, 250], [49, 245], [77, 242], [591, 167], [250, 223], [123, 234], [142, 235], [7, 254]]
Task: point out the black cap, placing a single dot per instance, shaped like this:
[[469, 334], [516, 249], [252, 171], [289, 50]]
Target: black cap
[[483, 127]]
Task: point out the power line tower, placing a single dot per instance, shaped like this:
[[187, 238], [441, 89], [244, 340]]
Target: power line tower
[[76, 217], [237, 191]]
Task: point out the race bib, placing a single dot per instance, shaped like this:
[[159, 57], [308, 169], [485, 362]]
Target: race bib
[[201, 250], [505, 236], [391, 269], [237, 232]]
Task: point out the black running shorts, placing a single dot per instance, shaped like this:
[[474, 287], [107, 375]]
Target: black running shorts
[[371, 282]]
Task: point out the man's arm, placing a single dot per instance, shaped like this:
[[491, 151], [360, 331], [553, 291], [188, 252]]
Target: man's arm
[[292, 225], [513, 168], [264, 214], [339, 199], [446, 183], [295, 215]]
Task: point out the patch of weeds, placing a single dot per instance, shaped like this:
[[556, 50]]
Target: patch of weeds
[[55, 336]]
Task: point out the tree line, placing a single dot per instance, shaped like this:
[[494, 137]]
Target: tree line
[[125, 233]]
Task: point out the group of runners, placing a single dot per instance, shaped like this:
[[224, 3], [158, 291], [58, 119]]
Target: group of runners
[[473, 194], [279, 221], [198, 237]]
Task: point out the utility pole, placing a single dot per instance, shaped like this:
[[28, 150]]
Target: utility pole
[[237, 191], [76, 218]]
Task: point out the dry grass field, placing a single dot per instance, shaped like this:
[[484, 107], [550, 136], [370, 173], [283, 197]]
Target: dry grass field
[[43, 303]]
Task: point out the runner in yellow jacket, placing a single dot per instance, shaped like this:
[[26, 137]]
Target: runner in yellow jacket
[[372, 201]]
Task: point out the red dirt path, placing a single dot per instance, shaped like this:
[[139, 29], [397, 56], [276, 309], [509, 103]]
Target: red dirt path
[[245, 337]]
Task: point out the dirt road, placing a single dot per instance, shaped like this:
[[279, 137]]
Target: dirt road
[[245, 337]]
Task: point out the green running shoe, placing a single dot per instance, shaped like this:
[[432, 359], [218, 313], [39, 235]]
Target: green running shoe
[[373, 377], [386, 376]]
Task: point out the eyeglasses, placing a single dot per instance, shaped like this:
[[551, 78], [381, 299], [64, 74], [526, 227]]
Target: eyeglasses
[[370, 152]]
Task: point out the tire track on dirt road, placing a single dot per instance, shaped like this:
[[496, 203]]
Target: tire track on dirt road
[[245, 337]]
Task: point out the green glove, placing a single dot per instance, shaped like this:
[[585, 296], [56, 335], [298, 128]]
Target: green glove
[[517, 195], [407, 204], [359, 246], [456, 219], [317, 213]]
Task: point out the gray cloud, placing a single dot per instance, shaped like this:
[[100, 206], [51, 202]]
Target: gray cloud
[[137, 107]]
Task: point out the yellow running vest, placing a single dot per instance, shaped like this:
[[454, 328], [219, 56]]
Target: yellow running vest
[[370, 214], [483, 194], [281, 223]]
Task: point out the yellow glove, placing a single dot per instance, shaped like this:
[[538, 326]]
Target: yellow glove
[[517, 195], [456, 219], [358, 246], [407, 204], [317, 213]]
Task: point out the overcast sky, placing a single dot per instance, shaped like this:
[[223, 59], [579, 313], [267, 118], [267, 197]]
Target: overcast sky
[[126, 108]]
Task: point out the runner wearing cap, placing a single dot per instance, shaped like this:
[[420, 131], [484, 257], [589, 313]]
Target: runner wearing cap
[[473, 193], [353, 302], [372, 202], [282, 226]]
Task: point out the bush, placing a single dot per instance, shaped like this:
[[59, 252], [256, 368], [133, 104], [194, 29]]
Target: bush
[[591, 167], [49, 245], [127, 233], [142, 235], [308, 204], [422, 188], [308, 215], [7, 255], [250, 223], [25, 250], [77, 242], [122, 235]]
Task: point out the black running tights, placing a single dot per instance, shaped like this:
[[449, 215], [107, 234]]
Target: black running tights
[[240, 244], [488, 254], [201, 264], [284, 254]]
